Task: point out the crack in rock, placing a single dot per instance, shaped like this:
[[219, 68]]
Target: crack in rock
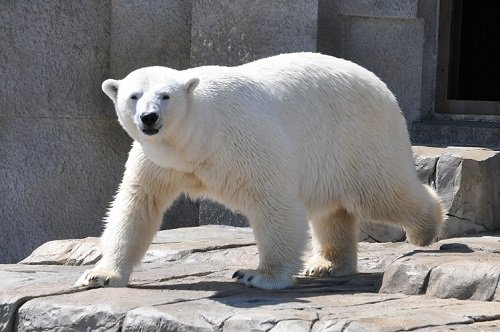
[[485, 229], [221, 325], [218, 326], [222, 246], [314, 321], [175, 302], [23, 300], [373, 302], [460, 218], [483, 318], [425, 284], [199, 274]]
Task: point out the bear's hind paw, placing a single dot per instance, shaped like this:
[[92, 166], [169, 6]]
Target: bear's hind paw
[[321, 267], [254, 278]]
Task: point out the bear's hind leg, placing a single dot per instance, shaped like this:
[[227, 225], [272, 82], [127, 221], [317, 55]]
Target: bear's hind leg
[[423, 224], [335, 239]]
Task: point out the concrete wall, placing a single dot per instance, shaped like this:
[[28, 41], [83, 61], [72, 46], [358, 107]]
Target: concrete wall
[[149, 33], [398, 40], [386, 37], [228, 32], [61, 149]]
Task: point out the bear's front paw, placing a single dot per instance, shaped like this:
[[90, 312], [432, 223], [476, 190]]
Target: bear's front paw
[[254, 278], [96, 279], [318, 266]]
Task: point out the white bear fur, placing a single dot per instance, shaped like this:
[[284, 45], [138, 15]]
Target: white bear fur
[[285, 139]]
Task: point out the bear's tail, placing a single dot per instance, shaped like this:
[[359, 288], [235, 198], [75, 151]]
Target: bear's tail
[[427, 221]]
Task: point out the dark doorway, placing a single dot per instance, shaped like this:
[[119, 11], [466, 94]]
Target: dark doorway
[[469, 57]]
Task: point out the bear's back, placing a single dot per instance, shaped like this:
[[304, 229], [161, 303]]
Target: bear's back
[[330, 110]]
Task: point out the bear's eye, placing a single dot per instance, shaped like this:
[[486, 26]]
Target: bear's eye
[[133, 97], [165, 97]]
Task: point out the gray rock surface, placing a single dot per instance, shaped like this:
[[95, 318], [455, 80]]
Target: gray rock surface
[[377, 232], [184, 284], [66, 252]]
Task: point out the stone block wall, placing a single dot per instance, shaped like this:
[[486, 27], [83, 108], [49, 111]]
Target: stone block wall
[[388, 37], [149, 33], [231, 32], [61, 148]]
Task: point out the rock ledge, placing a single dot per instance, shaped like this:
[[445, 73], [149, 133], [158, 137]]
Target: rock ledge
[[184, 284]]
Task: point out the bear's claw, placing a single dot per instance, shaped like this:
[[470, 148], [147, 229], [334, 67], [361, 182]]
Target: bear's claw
[[93, 279]]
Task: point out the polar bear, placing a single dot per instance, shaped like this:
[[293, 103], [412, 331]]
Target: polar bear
[[285, 139]]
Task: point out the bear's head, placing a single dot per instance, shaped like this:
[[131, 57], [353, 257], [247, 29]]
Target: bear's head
[[151, 101]]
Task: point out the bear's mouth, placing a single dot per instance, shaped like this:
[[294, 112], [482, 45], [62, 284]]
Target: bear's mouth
[[150, 131]]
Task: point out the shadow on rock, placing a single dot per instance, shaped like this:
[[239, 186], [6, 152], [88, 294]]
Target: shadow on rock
[[455, 247], [447, 247], [236, 295]]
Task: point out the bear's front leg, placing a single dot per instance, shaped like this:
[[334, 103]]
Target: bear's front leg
[[280, 229], [134, 218]]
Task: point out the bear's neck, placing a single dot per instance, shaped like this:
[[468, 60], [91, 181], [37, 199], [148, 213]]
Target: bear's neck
[[187, 143]]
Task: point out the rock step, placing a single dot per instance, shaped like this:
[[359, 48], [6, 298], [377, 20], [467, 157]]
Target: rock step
[[184, 284]]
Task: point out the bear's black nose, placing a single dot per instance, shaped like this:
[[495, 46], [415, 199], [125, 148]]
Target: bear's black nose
[[149, 119]]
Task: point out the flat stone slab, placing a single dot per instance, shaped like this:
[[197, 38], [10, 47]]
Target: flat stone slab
[[184, 284]]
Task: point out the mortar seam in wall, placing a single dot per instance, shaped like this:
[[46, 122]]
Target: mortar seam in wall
[[392, 18], [56, 117]]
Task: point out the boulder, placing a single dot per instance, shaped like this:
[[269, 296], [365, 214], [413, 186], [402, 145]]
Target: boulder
[[461, 268]]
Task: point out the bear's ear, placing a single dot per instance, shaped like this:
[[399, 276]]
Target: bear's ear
[[110, 87], [191, 84]]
